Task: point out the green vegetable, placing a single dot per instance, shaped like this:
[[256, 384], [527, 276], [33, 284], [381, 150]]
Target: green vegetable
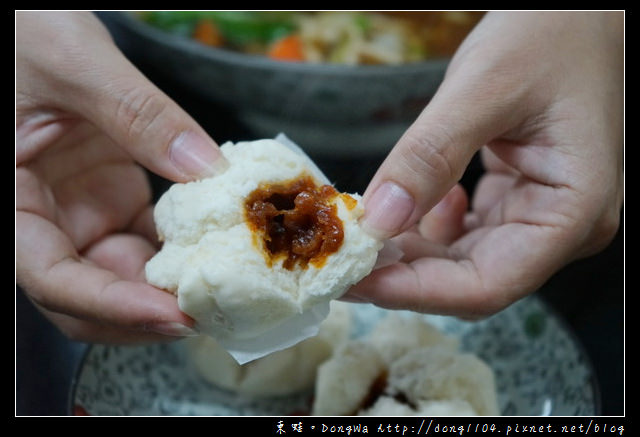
[[177, 22], [239, 28], [416, 51], [363, 22], [247, 27]]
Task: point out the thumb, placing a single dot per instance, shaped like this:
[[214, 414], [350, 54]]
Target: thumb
[[428, 160], [153, 129], [114, 95], [432, 155]]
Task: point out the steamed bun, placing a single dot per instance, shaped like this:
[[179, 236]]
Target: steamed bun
[[437, 373], [388, 406], [282, 372], [396, 334], [405, 367], [344, 381], [223, 267]]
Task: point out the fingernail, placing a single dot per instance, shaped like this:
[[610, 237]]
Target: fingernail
[[352, 298], [174, 329], [195, 156], [387, 210]]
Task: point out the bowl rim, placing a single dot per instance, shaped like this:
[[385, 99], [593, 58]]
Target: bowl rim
[[139, 27]]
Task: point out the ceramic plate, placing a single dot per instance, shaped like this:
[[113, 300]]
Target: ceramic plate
[[539, 369]]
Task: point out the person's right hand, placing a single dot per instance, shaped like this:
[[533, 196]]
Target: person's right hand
[[541, 95], [84, 227]]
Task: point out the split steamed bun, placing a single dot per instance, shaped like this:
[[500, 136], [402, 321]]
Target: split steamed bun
[[344, 381], [283, 372], [406, 367], [439, 373], [222, 266], [388, 406]]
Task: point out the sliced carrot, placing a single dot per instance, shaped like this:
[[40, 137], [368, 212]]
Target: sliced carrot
[[207, 33], [288, 48]]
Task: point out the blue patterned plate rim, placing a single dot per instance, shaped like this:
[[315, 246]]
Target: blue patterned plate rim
[[74, 408]]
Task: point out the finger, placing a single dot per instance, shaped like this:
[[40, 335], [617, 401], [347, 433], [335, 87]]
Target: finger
[[413, 246], [427, 161], [390, 253], [50, 271], [92, 332], [144, 225], [494, 164], [505, 264], [445, 222], [422, 167], [405, 286], [479, 100], [92, 204], [123, 254], [93, 80], [488, 196]]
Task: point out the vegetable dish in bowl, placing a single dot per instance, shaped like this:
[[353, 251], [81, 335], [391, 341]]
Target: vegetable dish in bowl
[[329, 108], [340, 37]]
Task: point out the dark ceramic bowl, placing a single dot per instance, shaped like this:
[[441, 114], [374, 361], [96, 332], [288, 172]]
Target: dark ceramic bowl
[[327, 109]]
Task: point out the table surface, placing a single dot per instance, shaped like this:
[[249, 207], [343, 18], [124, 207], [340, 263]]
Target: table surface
[[588, 294]]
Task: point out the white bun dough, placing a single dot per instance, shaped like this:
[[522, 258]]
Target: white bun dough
[[405, 367], [212, 260], [284, 372]]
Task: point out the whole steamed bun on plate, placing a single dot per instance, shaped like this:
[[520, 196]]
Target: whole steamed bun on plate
[[284, 372], [256, 253], [404, 367]]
